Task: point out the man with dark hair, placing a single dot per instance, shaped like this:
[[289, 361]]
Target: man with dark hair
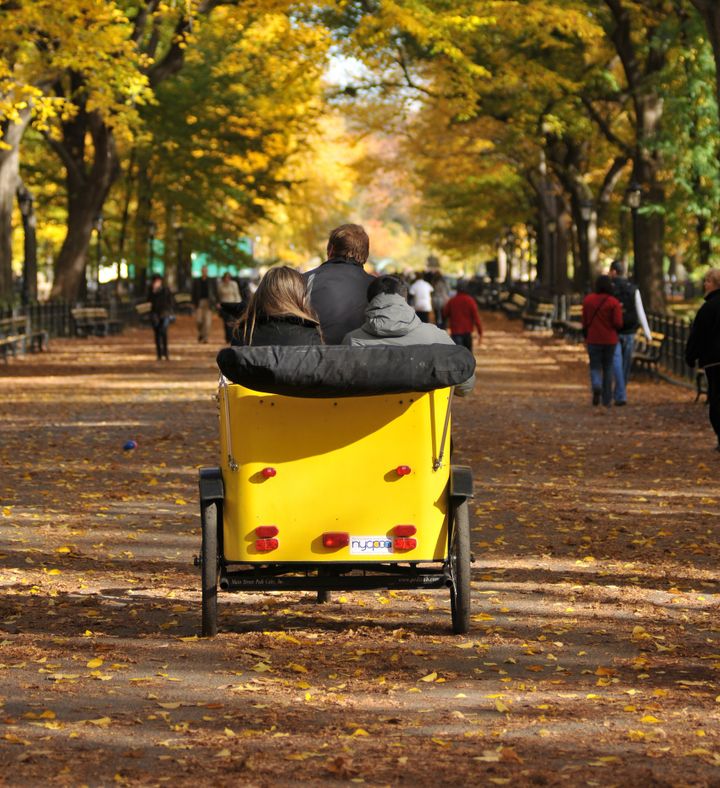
[[337, 289], [703, 344], [633, 317], [390, 320]]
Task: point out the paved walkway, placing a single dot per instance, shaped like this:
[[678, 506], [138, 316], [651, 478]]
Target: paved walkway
[[594, 655]]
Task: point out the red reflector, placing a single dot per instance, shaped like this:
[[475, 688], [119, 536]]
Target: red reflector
[[265, 545], [403, 470], [268, 531], [404, 543], [405, 530], [336, 540], [268, 473]]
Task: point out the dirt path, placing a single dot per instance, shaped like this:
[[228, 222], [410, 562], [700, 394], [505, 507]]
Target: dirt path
[[594, 655]]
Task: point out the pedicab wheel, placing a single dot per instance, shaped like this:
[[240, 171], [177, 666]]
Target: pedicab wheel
[[460, 569], [210, 569]]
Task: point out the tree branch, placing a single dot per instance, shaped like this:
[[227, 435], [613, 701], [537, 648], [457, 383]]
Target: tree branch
[[605, 127]]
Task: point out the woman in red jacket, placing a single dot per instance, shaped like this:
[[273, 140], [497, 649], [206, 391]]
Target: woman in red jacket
[[601, 319]]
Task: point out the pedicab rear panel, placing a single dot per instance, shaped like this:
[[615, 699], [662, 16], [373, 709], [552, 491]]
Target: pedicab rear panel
[[360, 466]]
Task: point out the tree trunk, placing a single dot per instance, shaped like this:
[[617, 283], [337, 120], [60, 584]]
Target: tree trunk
[[29, 220], [87, 188], [12, 134], [641, 74]]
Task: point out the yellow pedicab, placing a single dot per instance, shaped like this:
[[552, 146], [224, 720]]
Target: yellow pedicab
[[334, 475]]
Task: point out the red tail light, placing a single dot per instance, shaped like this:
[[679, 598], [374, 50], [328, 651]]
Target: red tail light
[[404, 543], [403, 470], [266, 545], [404, 530], [335, 540], [268, 531], [268, 473]]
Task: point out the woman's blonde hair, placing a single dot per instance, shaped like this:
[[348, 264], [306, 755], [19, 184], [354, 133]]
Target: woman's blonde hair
[[281, 293]]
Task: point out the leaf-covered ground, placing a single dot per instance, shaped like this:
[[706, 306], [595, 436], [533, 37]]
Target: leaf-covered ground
[[595, 650]]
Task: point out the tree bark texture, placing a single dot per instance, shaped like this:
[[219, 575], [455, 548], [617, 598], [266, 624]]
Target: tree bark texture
[[12, 134], [87, 188], [641, 73]]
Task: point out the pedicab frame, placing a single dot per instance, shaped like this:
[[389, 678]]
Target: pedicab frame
[[226, 491]]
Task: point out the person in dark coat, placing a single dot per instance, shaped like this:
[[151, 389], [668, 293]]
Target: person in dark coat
[[338, 287], [703, 344], [161, 314], [278, 313], [602, 318]]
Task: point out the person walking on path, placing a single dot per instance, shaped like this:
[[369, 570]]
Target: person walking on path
[[337, 289], [228, 293], [703, 345], [390, 320], [634, 317], [440, 297], [421, 294], [462, 316], [278, 312], [161, 314], [601, 320], [203, 297]]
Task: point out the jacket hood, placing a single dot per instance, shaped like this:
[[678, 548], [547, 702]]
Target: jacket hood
[[390, 315]]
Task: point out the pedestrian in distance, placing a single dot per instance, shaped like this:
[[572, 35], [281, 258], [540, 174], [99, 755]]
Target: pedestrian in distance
[[337, 288], [440, 297], [278, 312], [228, 292], [421, 293], [634, 317], [601, 321], [203, 298], [390, 320], [161, 314], [463, 317], [703, 345]]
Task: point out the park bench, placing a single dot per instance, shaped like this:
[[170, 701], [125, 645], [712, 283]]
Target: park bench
[[94, 321], [183, 303], [646, 356], [571, 326], [514, 305], [539, 316], [15, 338]]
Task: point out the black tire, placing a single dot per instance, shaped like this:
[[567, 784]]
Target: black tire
[[210, 564], [323, 597], [459, 556]]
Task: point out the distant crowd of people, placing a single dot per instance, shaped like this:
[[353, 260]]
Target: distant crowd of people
[[336, 303]]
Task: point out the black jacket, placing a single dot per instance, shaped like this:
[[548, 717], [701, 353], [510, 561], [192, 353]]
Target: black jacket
[[338, 294], [285, 330], [161, 301], [703, 344]]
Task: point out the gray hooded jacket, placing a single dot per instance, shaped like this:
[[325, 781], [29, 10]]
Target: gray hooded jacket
[[390, 320]]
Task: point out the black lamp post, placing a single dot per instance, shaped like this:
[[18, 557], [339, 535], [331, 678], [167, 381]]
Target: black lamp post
[[98, 252], [179, 234], [633, 198], [551, 263], [152, 227], [29, 275], [586, 212]]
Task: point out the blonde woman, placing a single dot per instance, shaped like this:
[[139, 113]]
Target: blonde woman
[[278, 313]]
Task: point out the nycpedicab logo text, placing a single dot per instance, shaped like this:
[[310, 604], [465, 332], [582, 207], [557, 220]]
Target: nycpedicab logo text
[[370, 545]]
